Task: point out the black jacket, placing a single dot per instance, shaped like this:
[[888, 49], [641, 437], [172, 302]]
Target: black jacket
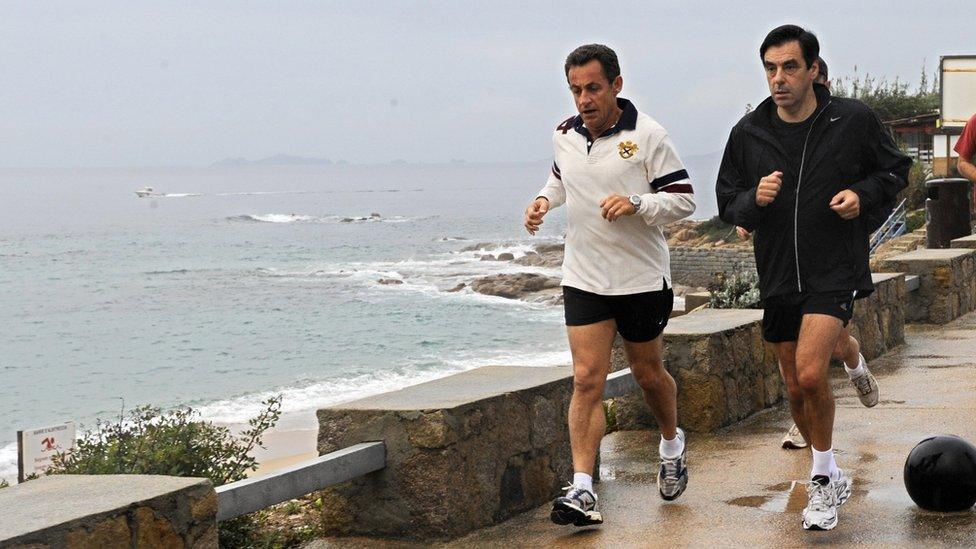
[[801, 245]]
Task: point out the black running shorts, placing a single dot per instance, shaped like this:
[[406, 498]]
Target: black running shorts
[[639, 317], [783, 314]]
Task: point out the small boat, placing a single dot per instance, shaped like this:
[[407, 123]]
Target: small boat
[[146, 191]]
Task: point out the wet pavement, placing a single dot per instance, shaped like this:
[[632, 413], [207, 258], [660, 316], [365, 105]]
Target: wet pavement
[[745, 490]]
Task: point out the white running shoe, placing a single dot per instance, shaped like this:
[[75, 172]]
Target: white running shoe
[[824, 498], [577, 507], [866, 387], [672, 476], [793, 439]]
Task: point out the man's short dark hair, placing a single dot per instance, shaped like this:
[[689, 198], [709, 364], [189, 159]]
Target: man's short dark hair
[[606, 56], [809, 44], [823, 68]]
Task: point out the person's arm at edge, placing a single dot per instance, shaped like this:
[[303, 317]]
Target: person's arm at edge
[[736, 200]]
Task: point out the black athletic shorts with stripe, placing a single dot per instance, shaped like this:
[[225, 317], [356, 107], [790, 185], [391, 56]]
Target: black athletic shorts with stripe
[[783, 314], [639, 317]]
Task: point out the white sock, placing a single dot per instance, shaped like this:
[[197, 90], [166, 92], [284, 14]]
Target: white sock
[[584, 481], [671, 449], [860, 370], [824, 464]]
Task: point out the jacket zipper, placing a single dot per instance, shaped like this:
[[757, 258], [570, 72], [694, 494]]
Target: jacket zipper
[[796, 204]]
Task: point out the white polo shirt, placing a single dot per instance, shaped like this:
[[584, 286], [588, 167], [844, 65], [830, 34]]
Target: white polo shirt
[[636, 156]]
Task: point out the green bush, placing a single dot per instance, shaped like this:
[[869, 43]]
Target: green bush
[[737, 291], [715, 229], [891, 100], [915, 192], [914, 220], [4, 483], [177, 443]]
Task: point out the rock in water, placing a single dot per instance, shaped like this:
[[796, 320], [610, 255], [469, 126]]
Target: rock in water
[[514, 286]]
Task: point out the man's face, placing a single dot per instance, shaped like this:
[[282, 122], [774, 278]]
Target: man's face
[[790, 79], [595, 97]]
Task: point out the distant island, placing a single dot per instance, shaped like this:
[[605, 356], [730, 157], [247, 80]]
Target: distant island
[[279, 160]]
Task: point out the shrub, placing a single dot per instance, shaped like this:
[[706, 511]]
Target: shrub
[[153, 442], [715, 229], [889, 99], [915, 192], [736, 291]]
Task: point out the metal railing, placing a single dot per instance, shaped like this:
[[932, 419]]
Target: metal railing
[[895, 225], [253, 494]]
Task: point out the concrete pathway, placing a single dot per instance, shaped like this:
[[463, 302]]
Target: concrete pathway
[[746, 490]]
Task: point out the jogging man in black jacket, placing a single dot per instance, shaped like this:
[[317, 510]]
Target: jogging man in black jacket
[[808, 174]]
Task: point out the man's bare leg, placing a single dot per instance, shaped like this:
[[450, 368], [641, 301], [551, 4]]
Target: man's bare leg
[[659, 388], [590, 346], [817, 340], [786, 356], [661, 395], [847, 350]]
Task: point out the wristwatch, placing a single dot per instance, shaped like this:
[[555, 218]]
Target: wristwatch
[[635, 199]]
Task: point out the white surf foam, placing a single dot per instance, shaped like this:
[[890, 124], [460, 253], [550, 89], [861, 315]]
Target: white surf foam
[[327, 393], [330, 219], [8, 462]]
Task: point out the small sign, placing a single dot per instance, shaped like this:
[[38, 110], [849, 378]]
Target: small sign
[[36, 447]]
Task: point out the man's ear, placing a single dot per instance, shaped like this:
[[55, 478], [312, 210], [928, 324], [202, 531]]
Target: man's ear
[[618, 84]]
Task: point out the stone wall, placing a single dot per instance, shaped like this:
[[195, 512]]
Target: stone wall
[[879, 319], [463, 452], [724, 371], [694, 266], [106, 511], [947, 283]]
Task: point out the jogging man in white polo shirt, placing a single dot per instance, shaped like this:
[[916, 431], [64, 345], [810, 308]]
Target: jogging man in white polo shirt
[[617, 172]]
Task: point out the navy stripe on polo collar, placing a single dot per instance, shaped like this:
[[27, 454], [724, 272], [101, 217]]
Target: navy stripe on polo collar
[[627, 121]]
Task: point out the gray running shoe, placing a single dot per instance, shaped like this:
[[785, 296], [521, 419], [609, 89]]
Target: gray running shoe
[[824, 497], [577, 507], [672, 477], [793, 440], [866, 387]]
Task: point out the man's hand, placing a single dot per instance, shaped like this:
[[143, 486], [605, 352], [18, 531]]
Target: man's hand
[[846, 203], [534, 214], [743, 234], [768, 188], [616, 206]]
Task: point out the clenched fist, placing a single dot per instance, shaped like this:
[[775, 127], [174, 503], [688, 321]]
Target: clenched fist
[[847, 204], [534, 214], [768, 188]]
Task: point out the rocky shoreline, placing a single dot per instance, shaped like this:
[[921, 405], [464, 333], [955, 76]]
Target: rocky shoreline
[[531, 287]]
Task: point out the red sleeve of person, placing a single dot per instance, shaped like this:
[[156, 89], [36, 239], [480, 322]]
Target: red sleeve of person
[[966, 146]]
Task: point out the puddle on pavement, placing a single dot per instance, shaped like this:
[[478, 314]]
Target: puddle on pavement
[[790, 496], [785, 497]]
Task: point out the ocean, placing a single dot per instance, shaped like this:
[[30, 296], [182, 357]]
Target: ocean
[[243, 282]]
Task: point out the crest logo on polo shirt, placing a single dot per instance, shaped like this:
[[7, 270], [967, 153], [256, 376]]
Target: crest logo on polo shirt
[[626, 149]]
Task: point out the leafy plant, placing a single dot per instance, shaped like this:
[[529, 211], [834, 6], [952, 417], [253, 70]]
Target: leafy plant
[[4, 483], [151, 441], [915, 192], [715, 229], [736, 291], [891, 100]]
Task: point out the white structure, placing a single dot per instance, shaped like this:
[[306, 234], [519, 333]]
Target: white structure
[[958, 104]]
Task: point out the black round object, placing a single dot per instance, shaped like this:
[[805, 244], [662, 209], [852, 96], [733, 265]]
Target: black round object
[[940, 474]]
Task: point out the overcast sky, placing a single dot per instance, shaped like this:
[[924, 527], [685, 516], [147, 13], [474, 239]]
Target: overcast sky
[[188, 83]]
